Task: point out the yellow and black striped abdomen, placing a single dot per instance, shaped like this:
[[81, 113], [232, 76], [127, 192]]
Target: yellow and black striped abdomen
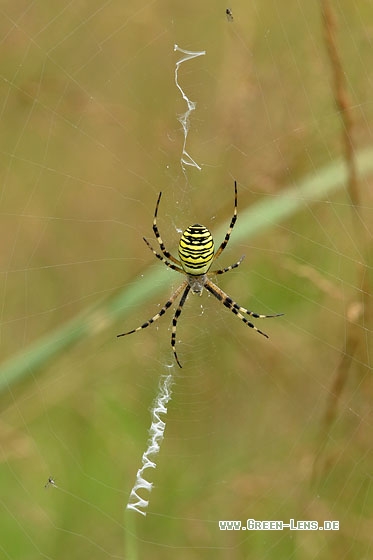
[[196, 250]]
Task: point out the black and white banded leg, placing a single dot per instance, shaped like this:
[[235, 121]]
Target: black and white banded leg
[[237, 309]]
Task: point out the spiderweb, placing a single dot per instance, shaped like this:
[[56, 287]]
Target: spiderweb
[[94, 126]]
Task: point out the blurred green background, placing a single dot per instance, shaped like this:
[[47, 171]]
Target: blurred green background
[[89, 136]]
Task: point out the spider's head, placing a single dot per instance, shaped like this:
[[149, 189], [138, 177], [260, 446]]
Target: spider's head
[[196, 250], [196, 283]]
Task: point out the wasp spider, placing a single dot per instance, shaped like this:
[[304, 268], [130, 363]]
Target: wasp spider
[[196, 253]]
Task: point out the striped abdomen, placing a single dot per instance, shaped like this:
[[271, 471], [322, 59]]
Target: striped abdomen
[[196, 250]]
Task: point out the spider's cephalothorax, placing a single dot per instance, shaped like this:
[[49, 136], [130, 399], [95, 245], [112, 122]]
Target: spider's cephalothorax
[[196, 253]]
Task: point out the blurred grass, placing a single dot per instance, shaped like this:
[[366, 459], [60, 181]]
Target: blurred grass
[[90, 137]]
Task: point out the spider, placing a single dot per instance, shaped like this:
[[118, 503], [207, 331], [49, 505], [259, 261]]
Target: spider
[[196, 253]]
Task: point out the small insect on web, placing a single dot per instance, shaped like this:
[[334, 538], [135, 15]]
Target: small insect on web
[[228, 13], [196, 254]]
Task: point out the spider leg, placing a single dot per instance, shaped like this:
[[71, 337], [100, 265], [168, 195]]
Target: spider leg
[[165, 261], [158, 235], [174, 321], [161, 312], [231, 225], [235, 265], [235, 308]]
